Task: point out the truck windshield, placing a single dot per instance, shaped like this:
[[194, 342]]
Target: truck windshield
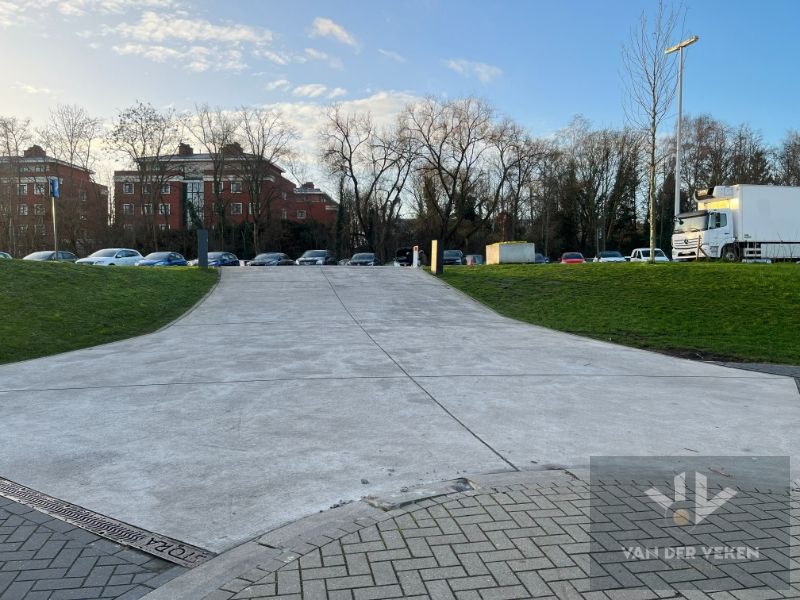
[[694, 223]]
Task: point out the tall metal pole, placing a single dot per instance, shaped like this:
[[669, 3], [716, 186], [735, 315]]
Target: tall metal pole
[[678, 135], [55, 232]]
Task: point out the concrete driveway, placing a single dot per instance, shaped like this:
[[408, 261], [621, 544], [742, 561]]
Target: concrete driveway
[[290, 389]]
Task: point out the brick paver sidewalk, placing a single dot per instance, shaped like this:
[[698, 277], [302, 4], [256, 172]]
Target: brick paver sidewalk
[[524, 540], [42, 558]]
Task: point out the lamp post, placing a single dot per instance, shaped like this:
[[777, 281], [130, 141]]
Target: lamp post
[[679, 49]]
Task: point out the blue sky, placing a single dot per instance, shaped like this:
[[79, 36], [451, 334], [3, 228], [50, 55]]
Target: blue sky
[[540, 62]]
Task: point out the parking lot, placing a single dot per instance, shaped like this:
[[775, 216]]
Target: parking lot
[[289, 390]]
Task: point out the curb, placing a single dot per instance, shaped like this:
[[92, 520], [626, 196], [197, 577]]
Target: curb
[[256, 558]]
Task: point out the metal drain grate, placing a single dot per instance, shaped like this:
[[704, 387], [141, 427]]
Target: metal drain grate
[[116, 531]]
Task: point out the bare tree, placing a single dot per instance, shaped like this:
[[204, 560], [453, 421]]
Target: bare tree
[[148, 138], [214, 130], [453, 142], [265, 138], [71, 136], [15, 135], [650, 88], [788, 160], [373, 166]]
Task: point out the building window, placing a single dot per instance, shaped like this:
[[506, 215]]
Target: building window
[[22, 190], [163, 226], [219, 186], [284, 195], [147, 188], [147, 209], [236, 187], [38, 209], [82, 195], [251, 208], [127, 188], [38, 230], [163, 209], [39, 189], [236, 208], [165, 188], [23, 228], [23, 210], [127, 209], [128, 227], [284, 214], [301, 214]]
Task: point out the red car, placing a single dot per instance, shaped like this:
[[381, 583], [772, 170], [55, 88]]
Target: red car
[[572, 258]]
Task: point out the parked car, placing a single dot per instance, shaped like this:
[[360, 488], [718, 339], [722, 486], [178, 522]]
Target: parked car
[[453, 257], [475, 259], [219, 259], [162, 259], [364, 259], [109, 257], [404, 257], [540, 259], [610, 256], [63, 256], [317, 257], [572, 258], [5, 256], [643, 255], [271, 259]]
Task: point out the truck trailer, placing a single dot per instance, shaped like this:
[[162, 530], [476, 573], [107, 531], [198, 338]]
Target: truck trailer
[[740, 222]]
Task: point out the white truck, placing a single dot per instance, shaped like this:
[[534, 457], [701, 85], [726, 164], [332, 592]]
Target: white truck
[[740, 222]]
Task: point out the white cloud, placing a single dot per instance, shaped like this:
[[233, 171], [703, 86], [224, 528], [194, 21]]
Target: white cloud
[[160, 27], [81, 7], [279, 84], [485, 73], [279, 58], [392, 55], [27, 88], [336, 92], [10, 13], [310, 90], [194, 58], [324, 27], [314, 54]]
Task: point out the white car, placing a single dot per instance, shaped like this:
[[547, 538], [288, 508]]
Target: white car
[[643, 255], [609, 256], [109, 257]]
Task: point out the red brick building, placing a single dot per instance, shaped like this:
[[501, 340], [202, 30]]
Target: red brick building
[[188, 190], [26, 222]]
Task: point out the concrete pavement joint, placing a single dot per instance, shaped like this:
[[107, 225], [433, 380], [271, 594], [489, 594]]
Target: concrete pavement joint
[[419, 385]]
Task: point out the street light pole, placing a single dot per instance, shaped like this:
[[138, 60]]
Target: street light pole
[[679, 48]]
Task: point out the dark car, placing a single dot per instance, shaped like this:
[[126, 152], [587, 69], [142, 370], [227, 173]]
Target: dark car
[[364, 259], [404, 257], [454, 257], [540, 259], [317, 257], [219, 259], [271, 259], [162, 259], [63, 256]]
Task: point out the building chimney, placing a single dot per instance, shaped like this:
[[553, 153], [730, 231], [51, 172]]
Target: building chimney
[[185, 150], [232, 149], [308, 185], [35, 151]]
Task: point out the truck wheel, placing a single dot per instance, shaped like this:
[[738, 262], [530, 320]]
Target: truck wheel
[[730, 253]]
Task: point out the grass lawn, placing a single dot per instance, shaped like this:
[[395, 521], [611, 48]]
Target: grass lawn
[[744, 312], [46, 308]]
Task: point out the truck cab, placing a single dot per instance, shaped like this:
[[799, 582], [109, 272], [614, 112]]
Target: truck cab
[[704, 234]]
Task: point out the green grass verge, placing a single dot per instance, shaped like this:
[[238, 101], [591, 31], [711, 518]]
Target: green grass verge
[[46, 308], [744, 312]]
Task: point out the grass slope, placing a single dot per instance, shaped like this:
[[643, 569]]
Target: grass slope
[[747, 312], [46, 308]]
